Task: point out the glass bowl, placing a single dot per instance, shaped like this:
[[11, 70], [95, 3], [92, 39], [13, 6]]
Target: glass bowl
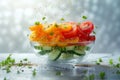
[[71, 53]]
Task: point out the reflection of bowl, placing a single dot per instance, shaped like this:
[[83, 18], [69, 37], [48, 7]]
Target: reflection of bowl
[[72, 51]]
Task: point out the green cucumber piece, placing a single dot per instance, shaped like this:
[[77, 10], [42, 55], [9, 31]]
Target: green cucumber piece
[[80, 52], [70, 47], [38, 47], [43, 52], [73, 52], [46, 47], [66, 56], [43, 47], [54, 54]]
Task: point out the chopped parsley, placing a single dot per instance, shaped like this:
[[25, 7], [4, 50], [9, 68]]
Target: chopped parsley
[[51, 33], [62, 19], [100, 60], [25, 59], [18, 72], [91, 77], [118, 72], [43, 18], [118, 65], [84, 17], [37, 23], [58, 73], [111, 61], [94, 32], [56, 25], [119, 59], [34, 72], [102, 75], [5, 78]]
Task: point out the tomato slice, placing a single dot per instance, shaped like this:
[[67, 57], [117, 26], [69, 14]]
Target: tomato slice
[[87, 27], [70, 34], [91, 38]]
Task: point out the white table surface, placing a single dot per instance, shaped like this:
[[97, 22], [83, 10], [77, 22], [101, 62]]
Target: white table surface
[[47, 71]]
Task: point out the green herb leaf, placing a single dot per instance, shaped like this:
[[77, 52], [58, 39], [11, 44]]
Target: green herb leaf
[[84, 17], [62, 19], [58, 73], [51, 33], [87, 48], [100, 60], [102, 75], [111, 61], [29, 67], [91, 77], [5, 78], [98, 63], [96, 27], [94, 32], [118, 65], [18, 72], [43, 18], [119, 59], [37, 23], [118, 72], [25, 59], [34, 72]]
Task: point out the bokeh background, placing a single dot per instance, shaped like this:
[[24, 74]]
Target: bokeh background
[[17, 15]]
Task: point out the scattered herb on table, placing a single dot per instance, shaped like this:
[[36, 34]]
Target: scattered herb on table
[[91, 77], [34, 72], [58, 73], [118, 72], [98, 62], [111, 61], [102, 75], [5, 78], [18, 72], [25, 59], [119, 59]]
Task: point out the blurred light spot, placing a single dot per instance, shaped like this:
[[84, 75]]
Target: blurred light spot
[[91, 15], [18, 28], [95, 1], [28, 12], [1, 40], [3, 3], [11, 45], [7, 13], [94, 8], [6, 22], [4, 32], [108, 1]]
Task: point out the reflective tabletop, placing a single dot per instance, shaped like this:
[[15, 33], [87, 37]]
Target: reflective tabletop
[[84, 70]]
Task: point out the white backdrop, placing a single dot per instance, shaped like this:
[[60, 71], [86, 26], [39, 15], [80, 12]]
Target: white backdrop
[[17, 15]]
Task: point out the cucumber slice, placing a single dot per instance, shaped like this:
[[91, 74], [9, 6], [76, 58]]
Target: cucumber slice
[[80, 52], [54, 54], [66, 56], [73, 52], [43, 52], [37, 47], [70, 47], [42, 47], [46, 48]]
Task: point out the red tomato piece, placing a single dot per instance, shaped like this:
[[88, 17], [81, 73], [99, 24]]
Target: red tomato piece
[[87, 27], [71, 34], [91, 38]]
